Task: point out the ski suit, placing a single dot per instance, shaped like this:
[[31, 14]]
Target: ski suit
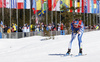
[[75, 31]]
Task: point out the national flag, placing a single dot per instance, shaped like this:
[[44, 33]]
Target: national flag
[[44, 3], [8, 4], [75, 5], [67, 4], [56, 5], [50, 5], [38, 5], [71, 4], [88, 6], [85, 5], [62, 3], [13, 3], [0, 3], [41, 12], [95, 6], [82, 6], [20, 4], [34, 6], [4, 3], [27, 4], [92, 6], [78, 5]]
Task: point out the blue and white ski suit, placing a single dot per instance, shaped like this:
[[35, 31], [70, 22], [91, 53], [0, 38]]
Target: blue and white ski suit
[[75, 32]]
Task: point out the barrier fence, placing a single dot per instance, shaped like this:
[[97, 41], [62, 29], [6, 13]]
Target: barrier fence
[[16, 35]]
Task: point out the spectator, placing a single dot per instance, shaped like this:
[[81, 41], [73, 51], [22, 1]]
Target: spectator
[[5, 29], [9, 30], [24, 30]]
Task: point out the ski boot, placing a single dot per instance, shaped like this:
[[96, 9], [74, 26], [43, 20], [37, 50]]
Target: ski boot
[[80, 52], [68, 52]]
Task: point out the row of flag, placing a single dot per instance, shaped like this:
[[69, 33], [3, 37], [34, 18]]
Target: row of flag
[[86, 6], [20, 4]]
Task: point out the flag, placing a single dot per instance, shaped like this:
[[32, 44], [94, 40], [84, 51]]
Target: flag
[[34, 6], [95, 6], [8, 4], [92, 6], [78, 5], [20, 4], [13, 3], [82, 6], [50, 5], [75, 5], [44, 3], [56, 5], [62, 3], [67, 4], [38, 4], [71, 4], [27, 4], [85, 5], [88, 6], [41, 12], [0, 3], [4, 3]]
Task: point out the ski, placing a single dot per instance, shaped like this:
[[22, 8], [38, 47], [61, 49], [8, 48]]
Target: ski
[[68, 55], [80, 55]]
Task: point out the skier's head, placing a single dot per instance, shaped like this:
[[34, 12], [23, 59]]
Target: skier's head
[[76, 24]]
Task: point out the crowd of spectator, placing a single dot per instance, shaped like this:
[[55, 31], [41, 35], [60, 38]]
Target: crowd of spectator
[[39, 27]]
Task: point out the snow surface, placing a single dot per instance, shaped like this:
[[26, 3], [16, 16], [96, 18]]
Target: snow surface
[[31, 49]]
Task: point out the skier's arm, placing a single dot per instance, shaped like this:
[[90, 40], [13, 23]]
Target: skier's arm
[[81, 27], [72, 28]]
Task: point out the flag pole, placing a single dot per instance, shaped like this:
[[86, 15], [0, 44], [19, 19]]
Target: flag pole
[[10, 18], [87, 13], [30, 17], [84, 13], [3, 11], [96, 13], [47, 13], [99, 12], [23, 17], [17, 20], [51, 20], [56, 18], [35, 14]]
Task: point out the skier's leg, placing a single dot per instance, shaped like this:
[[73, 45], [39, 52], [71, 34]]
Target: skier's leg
[[80, 42], [70, 44]]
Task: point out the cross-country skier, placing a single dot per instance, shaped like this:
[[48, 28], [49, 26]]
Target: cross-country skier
[[77, 27]]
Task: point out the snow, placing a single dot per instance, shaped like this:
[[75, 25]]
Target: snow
[[31, 49]]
